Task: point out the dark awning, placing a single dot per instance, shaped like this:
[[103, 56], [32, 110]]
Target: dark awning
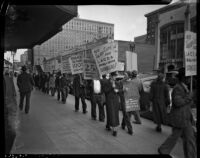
[[29, 25]]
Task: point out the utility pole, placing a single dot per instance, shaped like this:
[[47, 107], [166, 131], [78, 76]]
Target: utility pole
[[187, 28]]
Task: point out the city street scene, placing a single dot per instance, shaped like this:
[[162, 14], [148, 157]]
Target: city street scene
[[101, 79]]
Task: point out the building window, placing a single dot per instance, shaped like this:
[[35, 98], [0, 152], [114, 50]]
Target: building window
[[172, 41]]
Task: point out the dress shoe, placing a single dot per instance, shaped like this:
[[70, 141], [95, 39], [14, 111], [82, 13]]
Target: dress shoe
[[114, 133], [123, 127], [130, 132], [108, 128], [101, 120], [158, 129], [85, 112]]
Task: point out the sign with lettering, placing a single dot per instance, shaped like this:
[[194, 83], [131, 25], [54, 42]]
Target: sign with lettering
[[90, 68], [105, 58], [76, 62], [190, 47]]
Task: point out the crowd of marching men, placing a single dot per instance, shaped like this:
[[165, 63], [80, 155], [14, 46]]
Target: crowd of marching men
[[115, 95], [105, 92]]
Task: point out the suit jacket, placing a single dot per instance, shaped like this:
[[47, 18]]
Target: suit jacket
[[181, 114], [25, 82], [79, 89]]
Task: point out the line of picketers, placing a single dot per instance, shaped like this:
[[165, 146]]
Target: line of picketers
[[105, 92], [125, 93]]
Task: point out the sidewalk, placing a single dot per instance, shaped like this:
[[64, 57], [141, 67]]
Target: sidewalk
[[54, 128]]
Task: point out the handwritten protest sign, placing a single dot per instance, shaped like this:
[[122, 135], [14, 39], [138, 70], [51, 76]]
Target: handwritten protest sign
[[65, 59], [90, 68], [105, 58], [190, 48], [76, 62], [65, 63]]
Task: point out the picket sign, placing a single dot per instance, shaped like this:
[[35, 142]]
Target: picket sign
[[105, 58], [76, 62]]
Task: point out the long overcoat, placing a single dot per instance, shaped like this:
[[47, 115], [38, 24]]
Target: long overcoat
[[181, 114], [112, 103], [79, 90], [159, 95], [25, 82]]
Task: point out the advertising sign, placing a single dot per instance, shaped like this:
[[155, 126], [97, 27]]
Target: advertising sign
[[105, 58], [76, 62], [190, 48]]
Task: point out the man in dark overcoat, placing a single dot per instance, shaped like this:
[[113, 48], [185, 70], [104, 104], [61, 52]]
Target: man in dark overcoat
[[79, 92], [64, 85], [181, 119], [25, 83], [159, 96], [111, 89]]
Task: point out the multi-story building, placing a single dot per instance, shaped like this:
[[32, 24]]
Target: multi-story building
[[75, 33], [146, 53], [165, 29]]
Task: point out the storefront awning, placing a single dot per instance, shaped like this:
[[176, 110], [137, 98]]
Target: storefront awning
[[29, 25]]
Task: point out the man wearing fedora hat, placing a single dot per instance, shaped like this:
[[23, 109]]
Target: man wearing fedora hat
[[25, 84], [181, 119]]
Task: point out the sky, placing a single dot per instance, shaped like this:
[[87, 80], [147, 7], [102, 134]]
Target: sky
[[129, 20]]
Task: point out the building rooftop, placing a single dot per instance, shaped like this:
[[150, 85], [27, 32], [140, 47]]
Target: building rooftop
[[166, 8], [140, 39], [76, 18]]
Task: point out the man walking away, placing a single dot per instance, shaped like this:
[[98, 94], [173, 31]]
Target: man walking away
[[64, 88], [52, 84], [159, 96], [137, 90], [125, 93], [181, 119], [57, 84], [25, 84]]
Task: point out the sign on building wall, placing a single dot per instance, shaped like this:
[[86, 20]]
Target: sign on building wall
[[76, 62], [105, 58], [90, 70], [131, 61], [190, 46]]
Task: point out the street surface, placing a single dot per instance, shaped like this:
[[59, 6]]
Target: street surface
[[55, 128]]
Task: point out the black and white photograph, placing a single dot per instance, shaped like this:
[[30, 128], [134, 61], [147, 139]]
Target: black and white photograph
[[100, 79]]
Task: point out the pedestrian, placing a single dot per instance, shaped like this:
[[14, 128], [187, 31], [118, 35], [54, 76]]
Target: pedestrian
[[25, 84], [10, 112], [64, 85], [111, 88], [97, 98], [52, 84], [57, 84], [79, 92], [159, 96], [47, 82], [126, 96], [43, 80], [181, 119], [137, 89]]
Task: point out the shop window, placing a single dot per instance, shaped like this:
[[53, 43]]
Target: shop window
[[171, 41]]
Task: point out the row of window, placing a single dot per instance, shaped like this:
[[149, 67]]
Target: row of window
[[88, 27]]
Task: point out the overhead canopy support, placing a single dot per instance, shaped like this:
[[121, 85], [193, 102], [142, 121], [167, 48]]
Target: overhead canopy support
[[30, 25]]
